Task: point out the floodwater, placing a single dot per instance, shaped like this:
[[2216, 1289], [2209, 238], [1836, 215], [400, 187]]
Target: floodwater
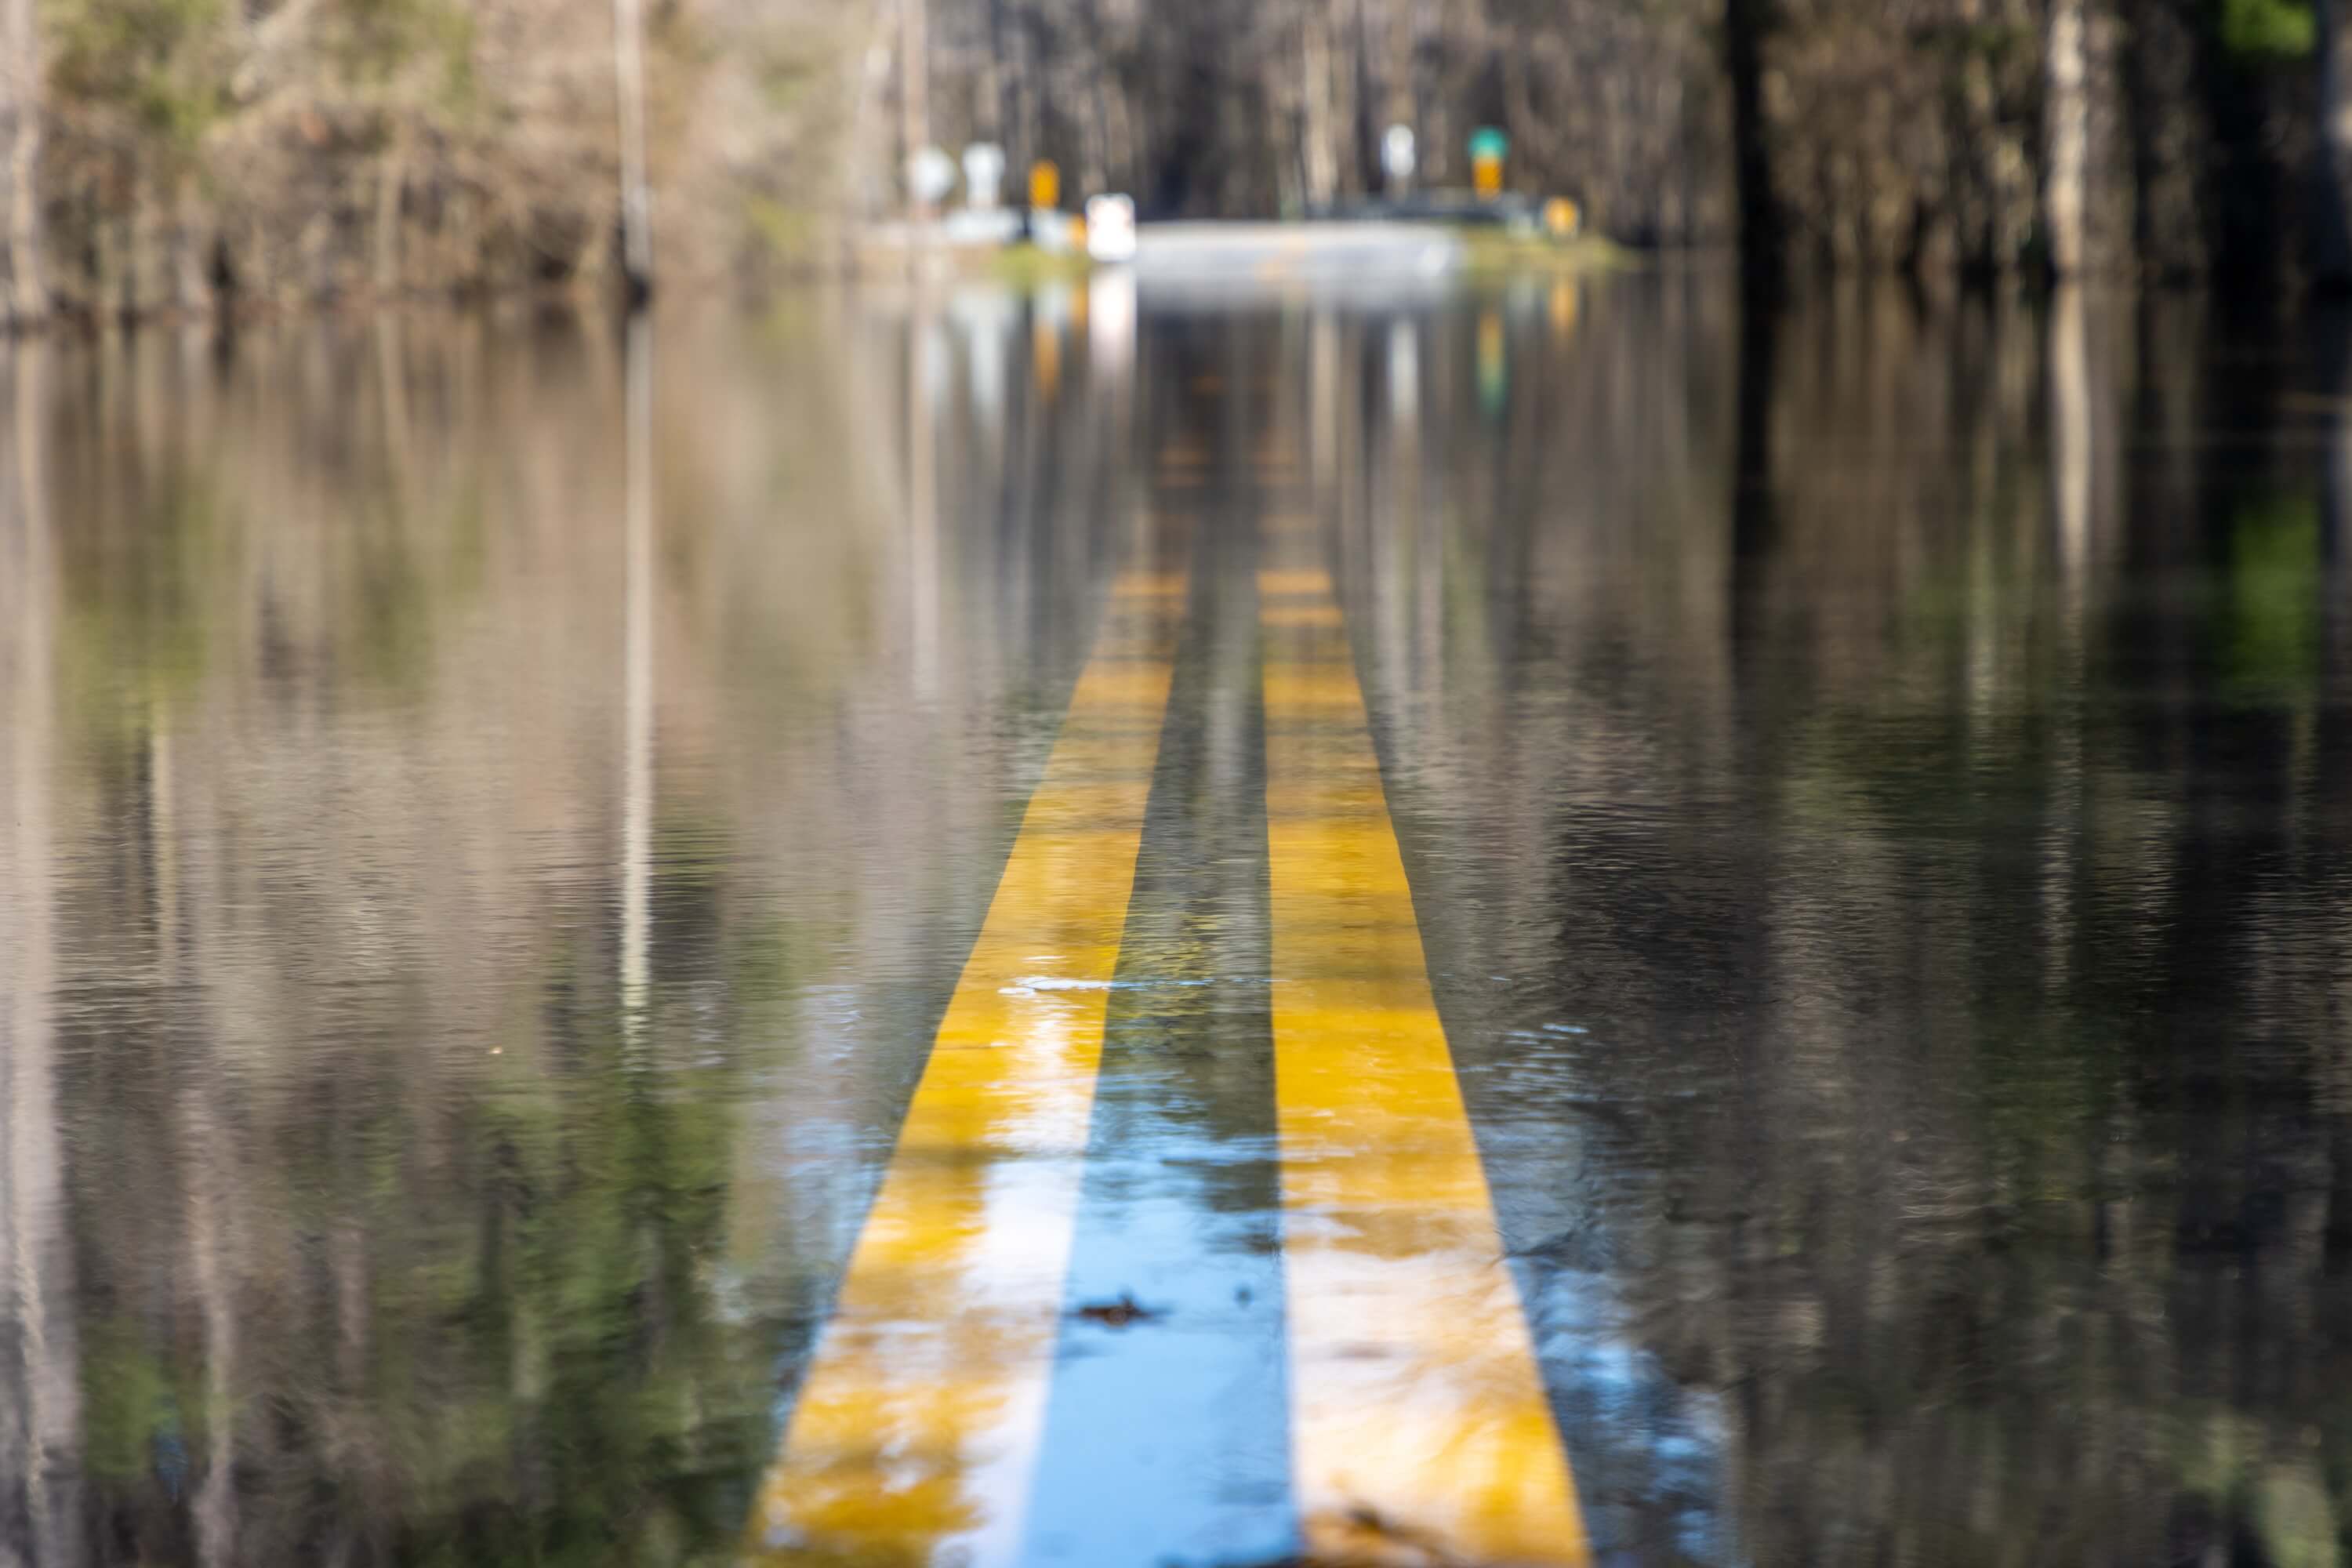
[[1517, 923]]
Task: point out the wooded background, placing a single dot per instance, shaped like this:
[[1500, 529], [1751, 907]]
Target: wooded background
[[173, 152]]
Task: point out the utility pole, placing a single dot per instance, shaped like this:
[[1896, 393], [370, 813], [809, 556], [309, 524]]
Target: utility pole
[[636, 200]]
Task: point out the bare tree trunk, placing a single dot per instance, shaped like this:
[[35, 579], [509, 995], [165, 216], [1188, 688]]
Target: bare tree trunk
[[2332, 231], [913, 79], [1315, 100], [2066, 117], [636, 201], [20, 106], [1404, 49]]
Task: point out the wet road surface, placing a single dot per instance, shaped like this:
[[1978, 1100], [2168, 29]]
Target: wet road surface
[[1529, 924]]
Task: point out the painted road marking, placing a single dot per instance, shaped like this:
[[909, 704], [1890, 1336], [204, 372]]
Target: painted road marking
[[915, 1436], [1419, 1419]]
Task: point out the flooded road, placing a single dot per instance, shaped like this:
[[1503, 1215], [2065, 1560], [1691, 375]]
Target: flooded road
[[1403, 924]]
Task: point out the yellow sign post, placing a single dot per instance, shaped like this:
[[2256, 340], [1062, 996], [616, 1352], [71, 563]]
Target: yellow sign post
[[1044, 184]]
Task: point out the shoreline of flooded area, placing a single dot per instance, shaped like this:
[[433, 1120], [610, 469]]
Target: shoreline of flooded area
[[1110, 927]]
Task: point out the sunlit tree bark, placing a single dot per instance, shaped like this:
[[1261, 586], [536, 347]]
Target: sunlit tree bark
[[2065, 134]]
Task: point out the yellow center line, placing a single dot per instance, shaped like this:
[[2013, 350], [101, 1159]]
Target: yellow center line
[[1419, 1420], [914, 1437]]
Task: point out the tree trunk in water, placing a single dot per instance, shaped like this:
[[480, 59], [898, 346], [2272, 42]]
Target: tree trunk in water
[[2067, 136], [20, 97], [2332, 230], [637, 203]]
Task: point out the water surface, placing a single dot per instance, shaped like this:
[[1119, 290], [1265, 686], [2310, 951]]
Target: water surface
[[498, 808]]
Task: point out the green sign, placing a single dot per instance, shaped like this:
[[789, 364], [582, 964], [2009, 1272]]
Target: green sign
[[1486, 141]]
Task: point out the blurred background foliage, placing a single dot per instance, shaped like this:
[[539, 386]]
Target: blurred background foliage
[[182, 152]]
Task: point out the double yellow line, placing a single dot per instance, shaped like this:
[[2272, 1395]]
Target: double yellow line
[[1419, 1423]]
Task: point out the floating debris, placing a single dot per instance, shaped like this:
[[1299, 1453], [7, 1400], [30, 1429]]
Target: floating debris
[[1116, 1314]]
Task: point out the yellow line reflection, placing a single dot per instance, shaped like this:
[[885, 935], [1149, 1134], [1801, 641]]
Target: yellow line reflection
[[914, 1437], [1419, 1423]]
